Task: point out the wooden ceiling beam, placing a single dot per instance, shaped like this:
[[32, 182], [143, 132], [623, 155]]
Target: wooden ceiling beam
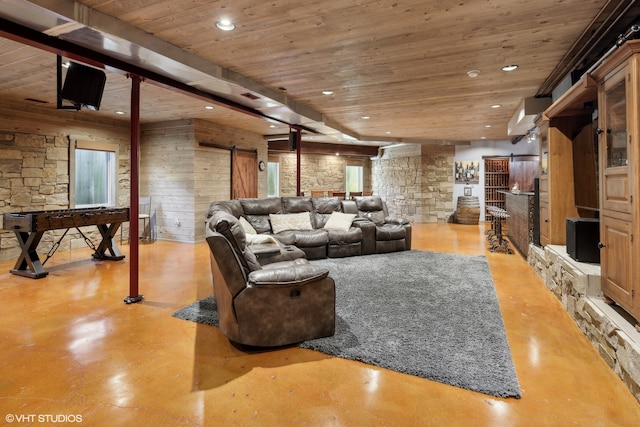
[[324, 149]]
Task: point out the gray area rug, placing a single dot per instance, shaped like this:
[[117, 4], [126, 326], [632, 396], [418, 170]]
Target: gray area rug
[[428, 314]]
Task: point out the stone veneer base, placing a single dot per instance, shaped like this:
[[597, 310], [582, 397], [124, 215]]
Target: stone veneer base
[[609, 328]]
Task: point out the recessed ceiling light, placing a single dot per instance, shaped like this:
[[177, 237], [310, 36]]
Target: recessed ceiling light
[[473, 73], [496, 106], [388, 132], [509, 67], [488, 126], [66, 64], [327, 92], [483, 137], [272, 126], [208, 107], [120, 112], [366, 117], [225, 25]]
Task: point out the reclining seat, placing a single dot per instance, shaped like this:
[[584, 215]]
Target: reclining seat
[[266, 249], [279, 304], [383, 233], [344, 239], [311, 240]]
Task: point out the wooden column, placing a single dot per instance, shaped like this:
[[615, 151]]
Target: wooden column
[[134, 243]]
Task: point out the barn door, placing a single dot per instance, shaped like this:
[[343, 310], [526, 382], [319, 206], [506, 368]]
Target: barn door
[[244, 173]]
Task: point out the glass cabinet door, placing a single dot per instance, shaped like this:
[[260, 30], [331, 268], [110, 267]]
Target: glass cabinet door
[[615, 186], [616, 122], [544, 150]]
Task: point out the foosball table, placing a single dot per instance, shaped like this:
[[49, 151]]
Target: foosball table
[[31, 226]]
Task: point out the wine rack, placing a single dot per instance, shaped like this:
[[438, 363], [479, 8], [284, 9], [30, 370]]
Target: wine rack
[[496, 178]]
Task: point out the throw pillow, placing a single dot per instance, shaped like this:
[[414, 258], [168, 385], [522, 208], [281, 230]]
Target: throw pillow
[[246, 226], [339, 221], [296, 221]]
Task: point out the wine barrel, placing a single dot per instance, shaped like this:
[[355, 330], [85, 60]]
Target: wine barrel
[[468, 210]]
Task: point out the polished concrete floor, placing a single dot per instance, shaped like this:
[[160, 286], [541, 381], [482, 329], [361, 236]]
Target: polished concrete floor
[[71, 350]]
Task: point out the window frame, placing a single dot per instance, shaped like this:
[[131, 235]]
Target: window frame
[[270, 165], [360, 178], [112, 171]]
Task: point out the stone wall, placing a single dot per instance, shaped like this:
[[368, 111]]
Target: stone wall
[[34, 167], [416, 181], [318, 172], [577, 286]]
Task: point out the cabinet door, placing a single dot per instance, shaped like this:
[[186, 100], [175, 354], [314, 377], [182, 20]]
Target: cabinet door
[[617, 261], [544, 223], [615, 190]]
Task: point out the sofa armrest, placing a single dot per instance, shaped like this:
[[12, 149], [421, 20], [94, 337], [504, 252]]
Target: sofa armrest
[[287, 272], [396, 220], [368, 244], [265, 249]]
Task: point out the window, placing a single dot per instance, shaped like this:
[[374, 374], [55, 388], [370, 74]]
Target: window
[[273, 179], [94, 169], [353, 178]]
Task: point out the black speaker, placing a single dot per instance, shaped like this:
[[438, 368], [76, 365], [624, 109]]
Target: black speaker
[[83, 86], [583, 236], [293, 140]]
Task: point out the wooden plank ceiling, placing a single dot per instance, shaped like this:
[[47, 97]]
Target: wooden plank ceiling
[[402, 64]]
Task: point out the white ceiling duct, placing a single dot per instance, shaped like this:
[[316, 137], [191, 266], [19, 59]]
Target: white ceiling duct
[[522, 120]]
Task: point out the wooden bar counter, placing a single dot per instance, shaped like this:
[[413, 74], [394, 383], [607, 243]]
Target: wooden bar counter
[[520, 221]]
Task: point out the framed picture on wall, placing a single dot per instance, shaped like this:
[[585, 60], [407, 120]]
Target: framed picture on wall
[[467, 172], [468, 191]]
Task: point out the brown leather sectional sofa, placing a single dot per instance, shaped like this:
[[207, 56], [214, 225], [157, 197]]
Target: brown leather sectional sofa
[[267, 292], [371, 231]]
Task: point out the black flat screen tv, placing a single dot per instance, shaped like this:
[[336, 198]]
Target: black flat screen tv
[[83, 86]]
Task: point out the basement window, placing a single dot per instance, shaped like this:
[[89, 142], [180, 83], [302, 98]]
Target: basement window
[[94, 174], [273, 179], [353, 178]]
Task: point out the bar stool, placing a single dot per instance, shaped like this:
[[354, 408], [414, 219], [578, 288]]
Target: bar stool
[[496, 235]]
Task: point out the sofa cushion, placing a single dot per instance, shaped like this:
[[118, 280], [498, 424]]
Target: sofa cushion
[[390, 232], [339, 221], [375, 216], [257, 211], [310, 238], [287, 237], [295, 221], [369, 203], [371, 208], [323, 207], [261, 206], [296, 204], [339, 237], [230, 206]]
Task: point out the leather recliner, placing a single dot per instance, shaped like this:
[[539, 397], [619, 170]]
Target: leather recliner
[[381, 233], [278, 304]]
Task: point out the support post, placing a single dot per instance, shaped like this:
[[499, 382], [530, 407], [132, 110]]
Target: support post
[[298, 134], [134, 244]]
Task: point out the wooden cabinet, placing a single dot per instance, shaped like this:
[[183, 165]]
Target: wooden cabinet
[[619, 132], [616, 260], [557, 201]]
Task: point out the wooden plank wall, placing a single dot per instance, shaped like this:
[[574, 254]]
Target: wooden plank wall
[[183, 178]]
